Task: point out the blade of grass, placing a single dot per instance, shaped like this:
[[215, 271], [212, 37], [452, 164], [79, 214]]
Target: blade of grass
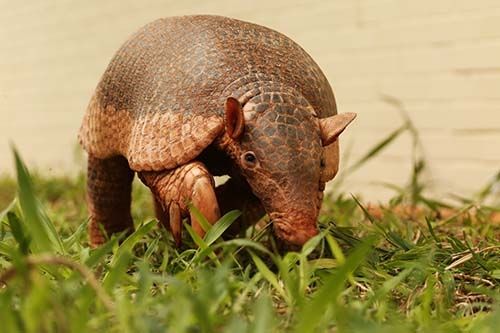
[[116, 271], [203, 248], [431, 230], [123, 254], [202, 220], [268, 275], [263, 316], [389, 285], [245, 243], [97, 254], [130, 241], [390, 236], [218, 228], [195, 237], [335, 249], [43, 232], [313, 311], [312, 243], [7, 209], [75, 237], [476, 256], [19, 233]]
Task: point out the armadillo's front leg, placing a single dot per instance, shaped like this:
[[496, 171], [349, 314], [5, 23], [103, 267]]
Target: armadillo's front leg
[[236, 194], [175, 189]]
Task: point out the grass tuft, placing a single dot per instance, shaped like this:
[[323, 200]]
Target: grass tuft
[[413, 265]]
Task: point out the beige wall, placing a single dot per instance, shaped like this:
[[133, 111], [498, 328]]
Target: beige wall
[[440, 58]]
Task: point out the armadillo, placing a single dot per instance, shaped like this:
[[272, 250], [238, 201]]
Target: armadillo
[[189, 98]]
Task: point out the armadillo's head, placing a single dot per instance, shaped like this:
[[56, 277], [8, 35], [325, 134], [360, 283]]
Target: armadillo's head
[[281, 155]]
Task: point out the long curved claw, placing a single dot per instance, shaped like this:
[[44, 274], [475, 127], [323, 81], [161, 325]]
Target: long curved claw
[[176, 188], [160, 213], [204, 199], [175, 221]]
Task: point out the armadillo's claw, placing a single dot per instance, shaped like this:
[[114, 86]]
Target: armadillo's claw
[[204, 199], [175, 221], [175, 189]]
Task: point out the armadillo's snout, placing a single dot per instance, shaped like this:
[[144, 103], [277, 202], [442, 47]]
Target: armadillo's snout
[[294, 232]]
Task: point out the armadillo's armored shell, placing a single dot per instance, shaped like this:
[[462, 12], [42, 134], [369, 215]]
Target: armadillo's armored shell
[[149, 141], [160, 102]]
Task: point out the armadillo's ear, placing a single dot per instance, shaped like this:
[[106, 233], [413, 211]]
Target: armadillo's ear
[[331, 127], [233, 119]]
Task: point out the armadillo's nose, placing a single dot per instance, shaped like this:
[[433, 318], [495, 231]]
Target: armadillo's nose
[[294, 233]]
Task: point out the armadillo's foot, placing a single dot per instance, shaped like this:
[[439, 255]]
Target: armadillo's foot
[[175, 189], [236, 194], [108, 197]]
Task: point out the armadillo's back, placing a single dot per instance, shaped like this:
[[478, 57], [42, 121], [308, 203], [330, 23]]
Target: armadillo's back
[[161, 98]]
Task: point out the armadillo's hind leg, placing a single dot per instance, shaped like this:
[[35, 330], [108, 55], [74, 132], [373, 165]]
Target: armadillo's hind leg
[[109, 184], [175, 189]]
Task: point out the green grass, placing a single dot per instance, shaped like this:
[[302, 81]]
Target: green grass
[[430, 268]]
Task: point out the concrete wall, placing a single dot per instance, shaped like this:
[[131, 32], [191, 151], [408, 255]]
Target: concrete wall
[[439, 58]]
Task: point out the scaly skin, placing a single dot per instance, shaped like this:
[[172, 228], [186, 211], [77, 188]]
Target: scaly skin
[[287, 177], [108, 196], [163, 101]]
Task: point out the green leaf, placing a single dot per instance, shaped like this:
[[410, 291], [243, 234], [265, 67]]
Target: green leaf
[[389, 285], [19, 234], [335, 248], [312, 243], [268, 275], [236, 324], [42, 231], [196, 238], [218, 228], [76, 236], [324, 263], [97, 254], [116, 271], [145, 282], [314, 310], [431, 230], [245, 243], [130, 241], [204, 249], [123, 254], [152, 246], [7, 209], [202, 220], [8, 251], [264, 315], [10, 316]]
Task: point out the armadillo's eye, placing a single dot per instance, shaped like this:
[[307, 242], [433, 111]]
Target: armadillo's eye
[[249, 159]]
